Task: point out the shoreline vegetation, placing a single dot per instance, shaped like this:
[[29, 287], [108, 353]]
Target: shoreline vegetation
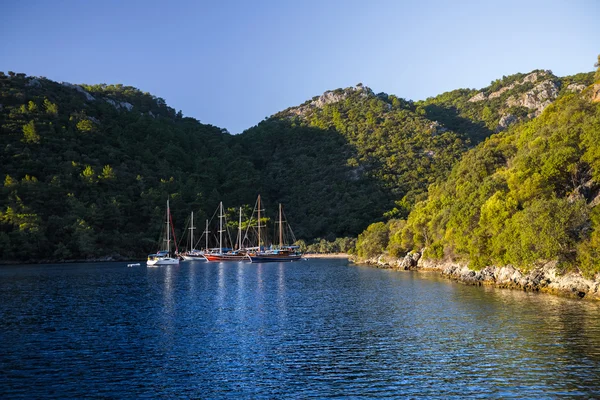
[[546, 278]]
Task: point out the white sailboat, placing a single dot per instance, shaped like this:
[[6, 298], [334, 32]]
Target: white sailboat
[[193, 254], [163, 257]]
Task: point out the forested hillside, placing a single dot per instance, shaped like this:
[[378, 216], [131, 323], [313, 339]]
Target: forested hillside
[[349, 156], [525, 196], [86, 172], [87, 169]]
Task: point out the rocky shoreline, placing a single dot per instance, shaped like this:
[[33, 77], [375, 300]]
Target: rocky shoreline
[[546, 278]]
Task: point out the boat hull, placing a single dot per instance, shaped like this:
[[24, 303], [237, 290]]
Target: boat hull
[[274, 258], [157, 262], [225, 257], [193, 258]]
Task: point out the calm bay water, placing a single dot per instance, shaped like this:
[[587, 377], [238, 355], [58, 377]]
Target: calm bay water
[[311, 329]]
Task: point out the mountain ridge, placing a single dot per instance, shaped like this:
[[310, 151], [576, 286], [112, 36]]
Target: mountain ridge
[[85, 164]]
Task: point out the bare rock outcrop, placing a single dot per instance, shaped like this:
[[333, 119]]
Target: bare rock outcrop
[[546, 278], [119, 104], [499, 92], [530, 78], [537, 99], [505, 121], [478, 97], [576, 87], [329, 97], [81, 90], [595, 92]]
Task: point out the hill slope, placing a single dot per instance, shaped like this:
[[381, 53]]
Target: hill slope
[[87, 168], [87, 172], [524, 196]]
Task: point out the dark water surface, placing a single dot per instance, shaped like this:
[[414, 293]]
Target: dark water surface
[[311, 329]]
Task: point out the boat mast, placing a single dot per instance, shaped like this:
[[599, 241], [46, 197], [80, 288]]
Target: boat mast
[[258, 226], [280, 229], [240, 231], [206, 232], [192, 232], [168, 228], [221, 228]]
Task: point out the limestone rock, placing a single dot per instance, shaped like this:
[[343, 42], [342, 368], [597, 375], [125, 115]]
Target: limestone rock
[[546, 278], [499, 92], [330, 97], [596, 92], [410, 261], [534, 76], [505, 121], [478, 97], [88, 96], [120, 104], [576, 87], [126, 105], [538, 98]]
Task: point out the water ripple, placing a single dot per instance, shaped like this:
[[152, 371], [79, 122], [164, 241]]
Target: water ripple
[[316, 329]]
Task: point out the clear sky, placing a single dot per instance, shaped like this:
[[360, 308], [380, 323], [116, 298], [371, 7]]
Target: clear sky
[[233, 63]]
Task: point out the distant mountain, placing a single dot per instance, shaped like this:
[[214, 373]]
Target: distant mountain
[[87, 168]]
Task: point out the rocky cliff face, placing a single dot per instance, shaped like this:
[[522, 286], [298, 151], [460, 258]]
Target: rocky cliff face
[[595, 93], [536, 99], [546, 278], [544, 91], [330, 96]]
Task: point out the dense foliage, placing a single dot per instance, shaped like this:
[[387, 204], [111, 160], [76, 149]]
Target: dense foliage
[[87, 171], [524, 196], [478, 113], [87, 178], [386, 141]]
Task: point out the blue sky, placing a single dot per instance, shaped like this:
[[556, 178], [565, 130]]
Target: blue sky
[[233, 63]]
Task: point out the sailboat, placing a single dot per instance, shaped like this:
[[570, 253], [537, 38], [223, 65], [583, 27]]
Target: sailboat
[[192, 254], [220, 253], [280, 253], [163, 257]]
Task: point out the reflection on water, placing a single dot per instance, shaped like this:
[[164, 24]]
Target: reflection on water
[[309, 329]]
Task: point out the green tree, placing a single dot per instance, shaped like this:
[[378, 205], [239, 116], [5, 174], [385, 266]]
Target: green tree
[[373, 241], [30, 134], [107, 173], [50, 107], [88, 174], [85, 126]]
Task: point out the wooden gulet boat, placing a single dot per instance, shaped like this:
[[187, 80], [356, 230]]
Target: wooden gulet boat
[[219, 255], [282, 253]]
